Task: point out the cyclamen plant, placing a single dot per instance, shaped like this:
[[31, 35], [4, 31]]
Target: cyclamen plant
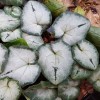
[[24, 55]]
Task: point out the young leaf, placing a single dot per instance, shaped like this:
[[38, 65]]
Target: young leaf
[[11, 35], [35, 17], [79, 73], [3, 57], [22, 66], [9, 89], [8, 22], [42, 91], [33, 42], [56, 61], [86, 54], [72, 27], [13, 11]]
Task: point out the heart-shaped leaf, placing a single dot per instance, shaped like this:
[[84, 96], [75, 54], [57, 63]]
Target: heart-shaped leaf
[[3, 57], [22, 66], [79, 72], [33, 42], [56, 61], [68, 90], [86, 54], [9, 89], [11, 35], [72, 27], [8, 22], [35, 17], [42, 91]]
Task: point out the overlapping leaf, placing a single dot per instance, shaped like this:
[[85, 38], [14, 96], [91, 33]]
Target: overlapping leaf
[[56, 61], [22, 66], [71, 27]]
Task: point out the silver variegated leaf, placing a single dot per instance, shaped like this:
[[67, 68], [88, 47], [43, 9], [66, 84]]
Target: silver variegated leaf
[[9, 89], [71, 27], [86, 54], [13, 11], [11, 35], [22, 66], [79, 73], [68, 90], [56, 61], [33, 42], [35, 17], [41, 91], [8, 22]]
